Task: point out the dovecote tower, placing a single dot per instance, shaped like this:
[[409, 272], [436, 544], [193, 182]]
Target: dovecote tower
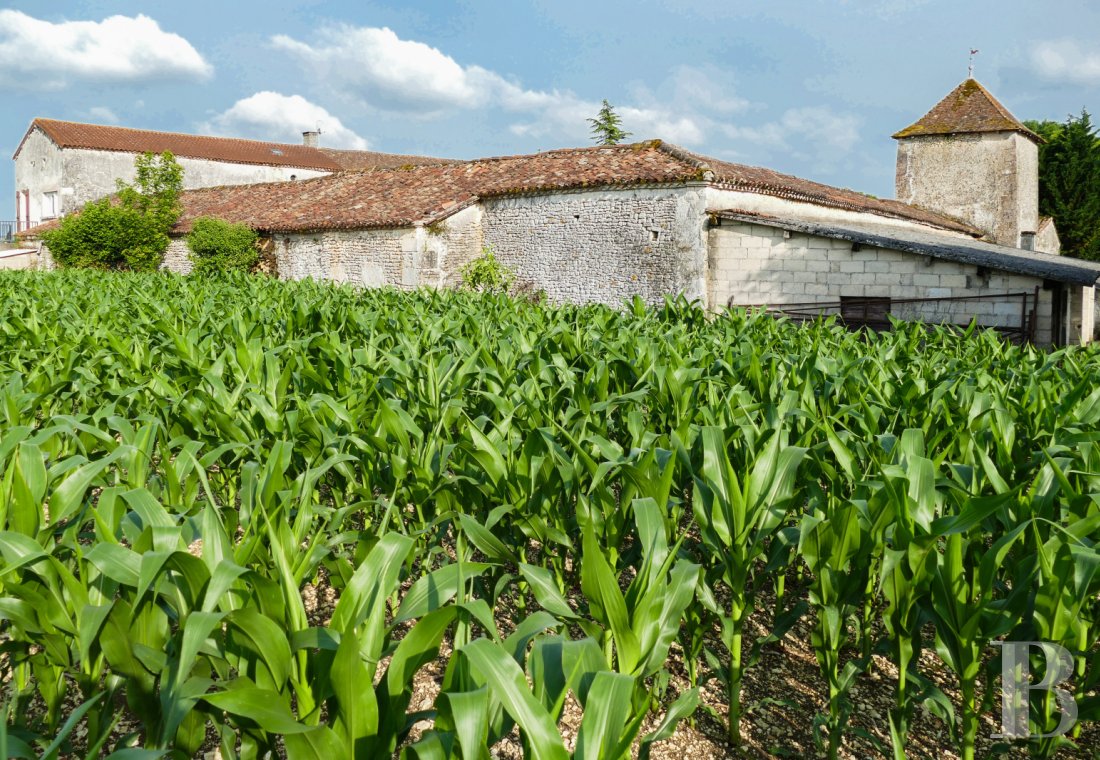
[[970, 158]]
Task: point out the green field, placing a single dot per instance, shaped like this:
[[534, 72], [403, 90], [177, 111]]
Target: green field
[[550, 506]]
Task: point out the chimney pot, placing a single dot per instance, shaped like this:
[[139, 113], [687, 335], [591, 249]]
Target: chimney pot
[[311, 139]]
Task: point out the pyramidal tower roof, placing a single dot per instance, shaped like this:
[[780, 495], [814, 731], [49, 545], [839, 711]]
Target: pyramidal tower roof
[[968, 109]]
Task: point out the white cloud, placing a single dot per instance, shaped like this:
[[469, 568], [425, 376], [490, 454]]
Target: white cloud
[[103, 114], [1066, 60], [693, 106], [388, 72], [41, 55], [386, 68], [273, 116], [815, 133]]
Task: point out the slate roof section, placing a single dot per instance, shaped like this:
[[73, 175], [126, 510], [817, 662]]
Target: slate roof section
[[968, 109], [425, 194], [937, 245], [69, 134]]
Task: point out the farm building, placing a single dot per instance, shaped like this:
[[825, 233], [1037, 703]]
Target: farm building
[[964, 241], [61, 165]]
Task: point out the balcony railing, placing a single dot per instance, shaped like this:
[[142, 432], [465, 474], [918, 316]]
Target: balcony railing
[[8, 230]]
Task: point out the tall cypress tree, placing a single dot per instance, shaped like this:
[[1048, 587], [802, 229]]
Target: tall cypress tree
[[1069, 182]]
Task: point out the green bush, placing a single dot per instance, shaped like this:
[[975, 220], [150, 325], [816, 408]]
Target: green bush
[[486, 274], [105, 236], [218, 247], [130, 231]]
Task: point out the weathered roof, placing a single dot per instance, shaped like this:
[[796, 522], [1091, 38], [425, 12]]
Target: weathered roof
[[935, 244], [968, 109], [768, 182], [69, 134], [369, 159], [424, 194]]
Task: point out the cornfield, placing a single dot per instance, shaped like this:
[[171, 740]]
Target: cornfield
[[553, 504]]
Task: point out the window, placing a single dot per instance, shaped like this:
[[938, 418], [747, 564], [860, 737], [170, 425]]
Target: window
[[861, 310], [49, 205]]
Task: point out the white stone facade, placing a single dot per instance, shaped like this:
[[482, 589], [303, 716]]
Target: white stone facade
[[989, 179], [603, 246], [52, 181]]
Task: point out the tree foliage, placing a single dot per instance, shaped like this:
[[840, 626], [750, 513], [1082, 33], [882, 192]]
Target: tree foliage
[[1069, 182], [607, 127], [129, 231], [219, 247]]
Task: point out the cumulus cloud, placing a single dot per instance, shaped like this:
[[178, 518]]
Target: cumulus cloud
[[692, 106], [37, 54], [389, 69], [1066, 60], [388, 72], [272, 116]]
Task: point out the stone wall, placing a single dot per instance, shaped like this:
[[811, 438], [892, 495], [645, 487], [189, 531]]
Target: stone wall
[[177, 258], [603, 246], [990, 180], [406, 258], [752, 264]]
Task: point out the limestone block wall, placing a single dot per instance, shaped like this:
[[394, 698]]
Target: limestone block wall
[[754, 264], [603, 246]]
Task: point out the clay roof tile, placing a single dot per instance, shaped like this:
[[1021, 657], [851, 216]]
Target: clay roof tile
[[968, 109]]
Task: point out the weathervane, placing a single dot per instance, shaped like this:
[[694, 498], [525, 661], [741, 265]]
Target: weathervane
[[973, 52]]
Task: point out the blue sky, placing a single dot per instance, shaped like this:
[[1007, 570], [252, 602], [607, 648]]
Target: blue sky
[[809, 87]]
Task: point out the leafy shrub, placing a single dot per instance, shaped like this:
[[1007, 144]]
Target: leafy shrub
[[486, 274], [218, 247], [106, 236], [129, 232]]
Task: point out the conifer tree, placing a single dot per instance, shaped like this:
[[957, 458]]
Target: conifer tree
[[607, 127], [1069, 182]]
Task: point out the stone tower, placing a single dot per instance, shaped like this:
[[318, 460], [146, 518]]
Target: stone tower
[[970, 158]]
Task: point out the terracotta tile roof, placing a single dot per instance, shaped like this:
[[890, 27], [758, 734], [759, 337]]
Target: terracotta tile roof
[[413, 195], [969, 108], [369, 159], [768, 182], [69, 134], [424, 194]]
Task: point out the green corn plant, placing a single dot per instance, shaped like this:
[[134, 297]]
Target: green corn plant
[[834, 546], [968, 613], [737, 518]]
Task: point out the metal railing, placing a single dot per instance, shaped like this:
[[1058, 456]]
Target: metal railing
[[8, 229], [1014, 315]]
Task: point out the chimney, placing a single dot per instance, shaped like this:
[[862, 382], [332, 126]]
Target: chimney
[[311, 139]]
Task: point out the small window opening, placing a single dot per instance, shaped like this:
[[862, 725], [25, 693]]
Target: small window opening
[[293, 177], [577, 216], [654, 235], [860, 309]]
